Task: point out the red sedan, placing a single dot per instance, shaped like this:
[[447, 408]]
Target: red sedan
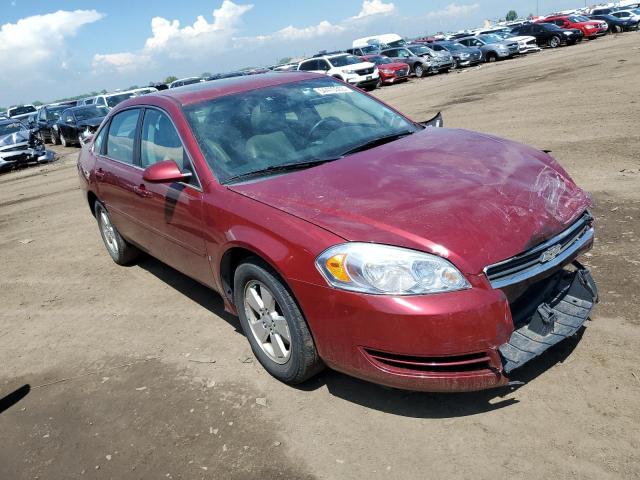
[[390, 71], [589, 28], [342, 233]]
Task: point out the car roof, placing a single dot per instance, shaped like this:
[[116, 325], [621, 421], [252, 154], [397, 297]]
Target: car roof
[[199, 92]]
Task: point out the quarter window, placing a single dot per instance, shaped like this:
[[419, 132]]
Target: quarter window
[[122, 133]]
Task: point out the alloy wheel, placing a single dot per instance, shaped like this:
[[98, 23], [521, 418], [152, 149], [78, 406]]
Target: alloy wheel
[[108, 233], [268, 325]]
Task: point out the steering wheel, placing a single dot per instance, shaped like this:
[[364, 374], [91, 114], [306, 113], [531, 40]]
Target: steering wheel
[[328, 122]]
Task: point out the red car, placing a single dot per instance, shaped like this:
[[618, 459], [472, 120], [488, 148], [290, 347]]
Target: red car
[[342, 233], [589, 28], [390, 71]]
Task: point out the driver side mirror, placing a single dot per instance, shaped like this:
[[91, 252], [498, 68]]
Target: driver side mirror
[[166, 171]]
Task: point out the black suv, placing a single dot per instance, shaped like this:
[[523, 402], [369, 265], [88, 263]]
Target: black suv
[[549, 34]]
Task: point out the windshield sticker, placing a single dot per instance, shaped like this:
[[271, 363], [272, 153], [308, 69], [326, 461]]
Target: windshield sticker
[[332, 90]]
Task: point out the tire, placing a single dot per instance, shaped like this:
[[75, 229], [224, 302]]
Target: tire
[[122, 252], [491, 57], [419, 70], [55, 138], [617, 29], [63, 140], [555, 41], [455, 64], [296, 358]]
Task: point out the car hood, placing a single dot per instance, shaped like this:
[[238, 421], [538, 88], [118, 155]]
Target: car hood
[[522, 38], [470, 197], [392, 66], [14, 138]]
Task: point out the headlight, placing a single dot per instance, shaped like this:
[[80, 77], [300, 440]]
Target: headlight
[[383, 269], [348, 71], [464, 55], [86, 133], [388, 72], [568, 33], [590, 27]]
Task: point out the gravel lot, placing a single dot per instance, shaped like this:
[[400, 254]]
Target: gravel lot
[[138, 373]]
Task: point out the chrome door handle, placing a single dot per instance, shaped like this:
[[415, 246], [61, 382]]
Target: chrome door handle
[[142, 191]]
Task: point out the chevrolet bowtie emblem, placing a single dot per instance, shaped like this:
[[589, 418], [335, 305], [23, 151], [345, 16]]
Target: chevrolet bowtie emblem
[[550, 253]]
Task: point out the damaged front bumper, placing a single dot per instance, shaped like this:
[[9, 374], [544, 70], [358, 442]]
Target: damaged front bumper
[[567, 300]]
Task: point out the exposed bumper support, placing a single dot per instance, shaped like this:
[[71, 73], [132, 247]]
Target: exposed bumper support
[[557, 318]]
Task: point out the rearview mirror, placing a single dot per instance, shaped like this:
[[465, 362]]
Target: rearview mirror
[[166, 171]]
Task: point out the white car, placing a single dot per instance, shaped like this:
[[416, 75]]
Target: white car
[[386, 40], [110, 100], [526, 43], [185, 81], [348, 68], [21, 112]]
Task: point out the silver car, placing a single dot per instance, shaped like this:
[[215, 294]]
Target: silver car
[[19, 146], [442, 60], [492, 47]]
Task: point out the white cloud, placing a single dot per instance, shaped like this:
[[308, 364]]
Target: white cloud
[[37, 44], [453, 11], [171, 41], [375, 7]]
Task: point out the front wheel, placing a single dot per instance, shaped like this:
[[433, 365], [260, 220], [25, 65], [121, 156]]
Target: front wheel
[[554, 42], [491, 57], [273, 324], [55, 136], [119, 249], [419, 71], [455, 63]]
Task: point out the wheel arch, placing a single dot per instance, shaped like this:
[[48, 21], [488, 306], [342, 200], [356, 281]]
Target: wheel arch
[[92, 198]]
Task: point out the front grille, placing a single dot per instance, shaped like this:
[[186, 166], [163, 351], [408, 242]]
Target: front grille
[[15, 149], [459, 363], [365, 71], [543, 257]]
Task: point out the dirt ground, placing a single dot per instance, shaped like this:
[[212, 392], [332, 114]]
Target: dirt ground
[[137, 372]]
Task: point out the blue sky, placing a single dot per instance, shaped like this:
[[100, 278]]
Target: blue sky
[[50, 49]]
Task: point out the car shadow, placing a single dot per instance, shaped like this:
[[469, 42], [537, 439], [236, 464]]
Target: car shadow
[[389, 400], [439, 405], [202, 295], [14, 397]]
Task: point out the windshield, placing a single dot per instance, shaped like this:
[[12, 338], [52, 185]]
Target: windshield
[[455, 47], [397, 43], [379, 60], [552, 26], [344, 60], [92, 111], [576, 19], [9, 128], [114, 100], [419, 49], [54, 113], [491, 38], [370, 49], [21, 110], [288, 124]]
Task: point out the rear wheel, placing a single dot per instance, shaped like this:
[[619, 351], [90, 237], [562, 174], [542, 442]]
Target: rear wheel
[[273, 324], [554, 41], [119, 249]]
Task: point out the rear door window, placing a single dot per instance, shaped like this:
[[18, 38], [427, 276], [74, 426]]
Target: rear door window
[[122, 134]]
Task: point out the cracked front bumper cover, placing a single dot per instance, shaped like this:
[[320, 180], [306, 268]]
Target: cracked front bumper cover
[[560, 316]]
